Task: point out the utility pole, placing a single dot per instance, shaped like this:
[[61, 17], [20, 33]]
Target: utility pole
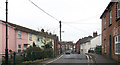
[[6, 50], [60, 38]]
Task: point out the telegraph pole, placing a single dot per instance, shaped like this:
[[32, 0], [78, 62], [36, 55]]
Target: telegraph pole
[[60, 38], [6, 50]]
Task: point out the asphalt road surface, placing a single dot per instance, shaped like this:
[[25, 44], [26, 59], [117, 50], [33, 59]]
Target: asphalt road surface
[[71, 59]]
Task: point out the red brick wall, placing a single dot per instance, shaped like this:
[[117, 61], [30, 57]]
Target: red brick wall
[[110, 30]]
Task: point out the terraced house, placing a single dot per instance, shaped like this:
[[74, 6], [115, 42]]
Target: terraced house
[[111, 31], [19, 38]]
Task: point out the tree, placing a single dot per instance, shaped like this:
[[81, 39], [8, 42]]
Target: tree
[[48, 50], [98, 49], [33, 53], [48, 46]]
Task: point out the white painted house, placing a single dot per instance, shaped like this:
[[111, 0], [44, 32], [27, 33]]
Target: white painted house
[[90, 44], [96, 41], [85, 46]]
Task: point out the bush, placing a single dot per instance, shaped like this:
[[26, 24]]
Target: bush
[[32, 53], [48, 53], [48, 50], [98, 49]]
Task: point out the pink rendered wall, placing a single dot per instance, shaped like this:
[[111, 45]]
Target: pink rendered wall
[[12, 44], [23, 40], [11, 38], [0, 38], [3, 38]]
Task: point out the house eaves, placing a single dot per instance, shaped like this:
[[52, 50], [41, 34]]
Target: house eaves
[[107, 9]]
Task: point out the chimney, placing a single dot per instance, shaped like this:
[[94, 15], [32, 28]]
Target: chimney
[[94, 34], [42, 30]]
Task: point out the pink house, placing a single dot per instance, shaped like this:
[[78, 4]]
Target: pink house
[[17, 37]]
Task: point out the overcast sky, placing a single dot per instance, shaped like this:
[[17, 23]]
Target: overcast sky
[[79, 18]]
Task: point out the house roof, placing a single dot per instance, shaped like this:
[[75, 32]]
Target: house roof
[[28, 30], [84, 40], [107, 8]]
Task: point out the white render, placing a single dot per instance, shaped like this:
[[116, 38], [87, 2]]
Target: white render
[[95, 42], [92, 44], [84, 47]]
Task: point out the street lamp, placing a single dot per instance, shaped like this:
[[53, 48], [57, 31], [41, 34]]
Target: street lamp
[[6, 50]]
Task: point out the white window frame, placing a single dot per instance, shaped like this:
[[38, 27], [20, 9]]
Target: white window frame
[[110, 22], [118, 9], [105, 46], [117, 41], [25, 46], [19, 35], [30, 36], [20, 47], [104, 22]]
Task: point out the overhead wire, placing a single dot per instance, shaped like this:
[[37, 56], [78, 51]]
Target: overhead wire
[[43, 10]]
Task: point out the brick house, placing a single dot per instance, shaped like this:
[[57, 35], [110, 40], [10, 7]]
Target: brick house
[[111, 31], [77, 46], [66, 45]]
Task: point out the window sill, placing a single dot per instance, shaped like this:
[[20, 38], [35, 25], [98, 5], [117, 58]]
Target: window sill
[[117, 53], [19, 38], [117, 19]]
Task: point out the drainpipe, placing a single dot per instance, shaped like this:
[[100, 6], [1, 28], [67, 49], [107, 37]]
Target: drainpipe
[[15, 41]]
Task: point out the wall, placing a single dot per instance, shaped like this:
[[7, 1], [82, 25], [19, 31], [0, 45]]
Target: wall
[[21, 41], [110, 30], [34, 39], [85, 47], [40, 42], [96, 42], [0, 43]]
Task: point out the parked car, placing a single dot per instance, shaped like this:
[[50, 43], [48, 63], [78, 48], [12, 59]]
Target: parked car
[[68, 52]]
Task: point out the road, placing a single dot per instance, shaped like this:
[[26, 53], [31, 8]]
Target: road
[[70, 59]]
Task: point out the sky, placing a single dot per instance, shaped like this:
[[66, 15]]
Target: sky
[[79, 18]]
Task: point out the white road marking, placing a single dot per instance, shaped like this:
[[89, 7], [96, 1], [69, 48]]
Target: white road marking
[[88, 58], [55, 59]]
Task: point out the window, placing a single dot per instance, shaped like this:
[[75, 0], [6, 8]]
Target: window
[[110, 17], [117, 44], [104, 22], [38, 39], [19, 48], [19, 35], [30, 36], [104, 45], [118, 10], [25, 46]]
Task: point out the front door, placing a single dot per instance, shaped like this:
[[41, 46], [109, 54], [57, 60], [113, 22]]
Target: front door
[[110, 46]]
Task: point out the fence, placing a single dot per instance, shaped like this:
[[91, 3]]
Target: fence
[[18, 58], [0, 59]]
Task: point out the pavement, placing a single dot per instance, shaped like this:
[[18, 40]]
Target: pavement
[[100, 58]]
